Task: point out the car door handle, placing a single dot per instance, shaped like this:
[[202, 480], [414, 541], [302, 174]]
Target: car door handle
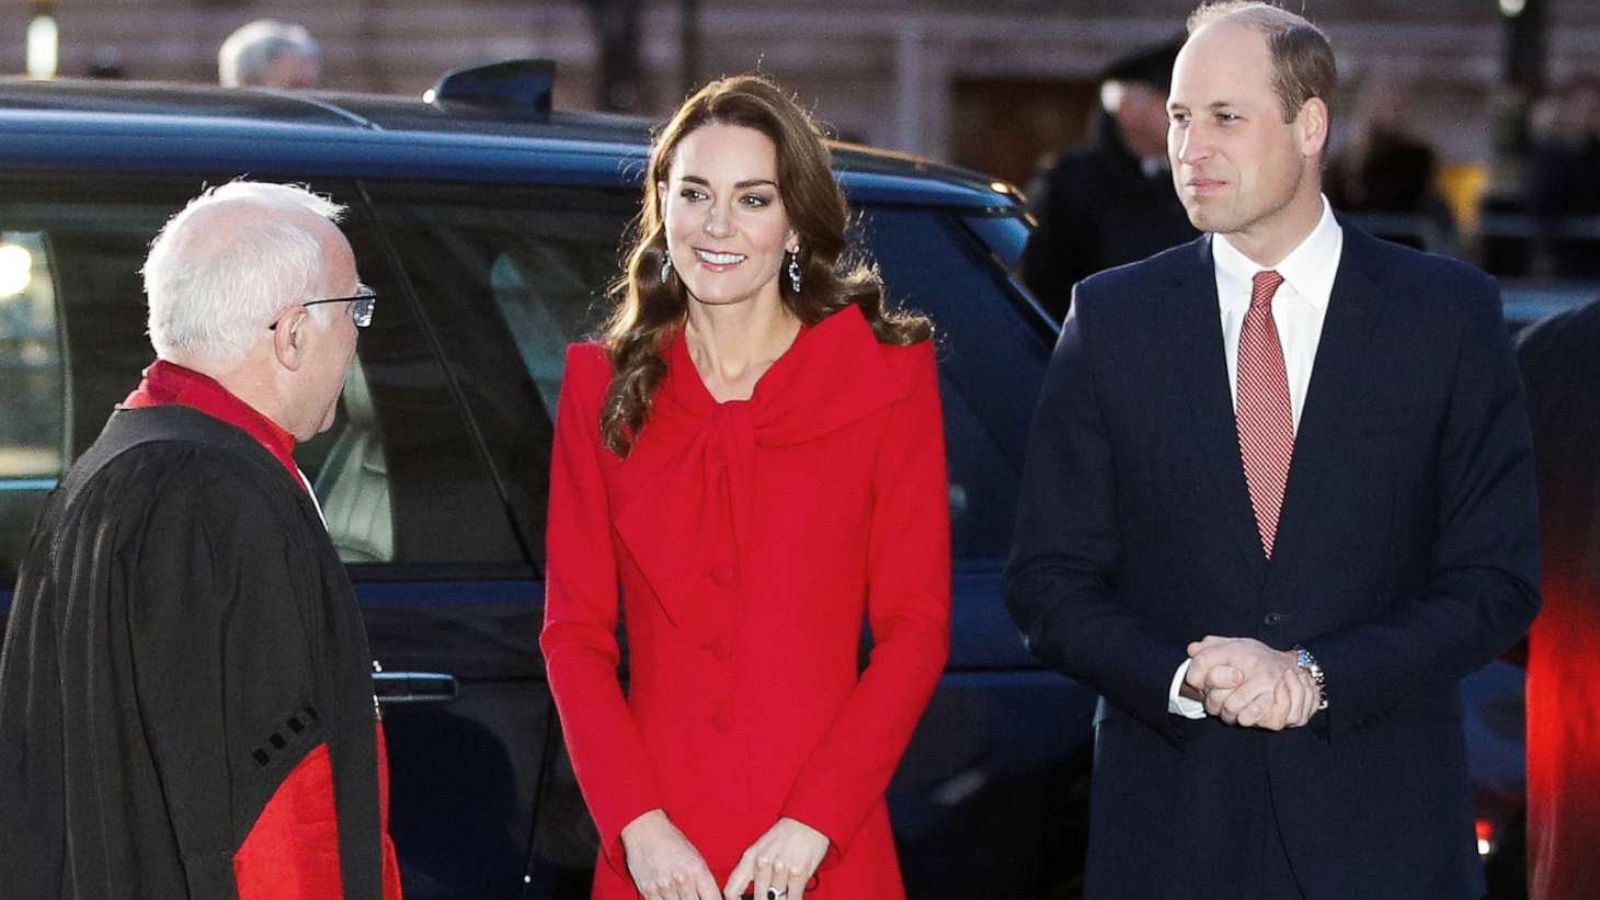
[[397, 688]]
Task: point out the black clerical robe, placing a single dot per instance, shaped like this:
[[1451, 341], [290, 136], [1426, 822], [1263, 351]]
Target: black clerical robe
[[183, 635]]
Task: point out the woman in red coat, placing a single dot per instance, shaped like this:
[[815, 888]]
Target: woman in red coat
[[754, 456]]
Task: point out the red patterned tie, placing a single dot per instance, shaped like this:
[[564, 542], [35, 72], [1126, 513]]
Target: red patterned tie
[[1262, 413]]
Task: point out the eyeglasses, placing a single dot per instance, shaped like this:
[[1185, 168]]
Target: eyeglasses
[[361, 307]]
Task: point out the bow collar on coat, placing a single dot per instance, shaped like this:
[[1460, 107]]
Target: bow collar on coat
[[690, 475]]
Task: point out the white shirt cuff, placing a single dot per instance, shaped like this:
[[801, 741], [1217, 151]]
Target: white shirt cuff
[[1179, 705]]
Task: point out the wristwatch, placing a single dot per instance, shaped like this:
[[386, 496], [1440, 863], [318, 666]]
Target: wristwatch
[[1304, 659]]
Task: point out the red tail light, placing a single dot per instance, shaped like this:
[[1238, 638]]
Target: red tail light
[[1485, 831]]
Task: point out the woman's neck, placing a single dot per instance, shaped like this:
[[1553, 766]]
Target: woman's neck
[[733, 345]]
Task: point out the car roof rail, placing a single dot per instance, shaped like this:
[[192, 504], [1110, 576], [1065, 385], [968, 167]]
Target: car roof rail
[[520, 86]]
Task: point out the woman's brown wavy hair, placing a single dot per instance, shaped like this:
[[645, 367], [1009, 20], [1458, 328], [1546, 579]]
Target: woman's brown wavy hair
[[648, 311]]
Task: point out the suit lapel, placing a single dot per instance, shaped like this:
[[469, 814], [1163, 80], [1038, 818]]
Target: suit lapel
[[1354, 310], [1200, 360]]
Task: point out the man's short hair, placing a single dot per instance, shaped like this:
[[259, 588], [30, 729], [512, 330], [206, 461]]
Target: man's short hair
[[246, 57], [212, 289], [1302, 59]]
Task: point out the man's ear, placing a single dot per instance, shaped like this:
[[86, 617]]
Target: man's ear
[[290, 337], [1312, 125]]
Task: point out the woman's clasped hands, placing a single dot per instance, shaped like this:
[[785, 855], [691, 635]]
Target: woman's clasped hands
[[665, 865]]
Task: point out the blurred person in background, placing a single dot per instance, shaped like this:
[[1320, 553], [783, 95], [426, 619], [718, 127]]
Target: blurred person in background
[[754, 455], [1562, 373], [1386, 168], [1111, 201], [107, 64], [270, 54], [1564, 182]]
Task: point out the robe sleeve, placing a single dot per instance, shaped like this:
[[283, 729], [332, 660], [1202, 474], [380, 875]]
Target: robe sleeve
[[579, 639], [292, 850], [908, 609], [221, 664]]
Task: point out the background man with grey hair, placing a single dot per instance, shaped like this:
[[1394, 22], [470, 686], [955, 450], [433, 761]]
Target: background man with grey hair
[[1278, 502], [269, 54], [186, 704]]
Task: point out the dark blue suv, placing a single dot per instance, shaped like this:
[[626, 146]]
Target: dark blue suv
[[491, 227]]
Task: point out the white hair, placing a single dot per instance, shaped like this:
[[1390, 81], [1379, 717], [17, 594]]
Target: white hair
[[246, 57], [222, 269]]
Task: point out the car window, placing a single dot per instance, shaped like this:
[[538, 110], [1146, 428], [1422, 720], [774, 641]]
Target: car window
[[74, 339], [33, 447], [83, 319], [992, 353], [508, 280]]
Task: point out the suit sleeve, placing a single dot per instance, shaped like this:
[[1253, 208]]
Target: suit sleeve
[[1482, 593], [221, 662], [908, 609], [1060, 583], [579, 638]]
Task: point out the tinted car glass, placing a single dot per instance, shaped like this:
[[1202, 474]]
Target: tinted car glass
[[33, 448], [79, 345], [933, 265], [447, 509], [391, 494], [508, 279]]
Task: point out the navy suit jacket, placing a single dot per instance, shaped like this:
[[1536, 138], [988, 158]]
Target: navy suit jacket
[[1405, 559]]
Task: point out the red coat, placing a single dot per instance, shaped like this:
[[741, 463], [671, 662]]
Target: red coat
[[750, 539]]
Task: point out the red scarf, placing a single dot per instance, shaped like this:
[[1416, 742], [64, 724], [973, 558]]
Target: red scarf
[[168, 383]]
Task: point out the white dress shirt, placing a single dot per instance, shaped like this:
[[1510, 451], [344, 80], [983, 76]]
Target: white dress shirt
[[1298, 309], [312, 493]]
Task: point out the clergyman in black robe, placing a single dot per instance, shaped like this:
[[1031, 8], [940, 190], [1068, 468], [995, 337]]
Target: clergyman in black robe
[[186, 706]]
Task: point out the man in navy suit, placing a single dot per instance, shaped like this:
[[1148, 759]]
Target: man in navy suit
[[1278, 502]]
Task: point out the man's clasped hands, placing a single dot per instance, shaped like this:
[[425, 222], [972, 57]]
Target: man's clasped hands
[[1245, 682]]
